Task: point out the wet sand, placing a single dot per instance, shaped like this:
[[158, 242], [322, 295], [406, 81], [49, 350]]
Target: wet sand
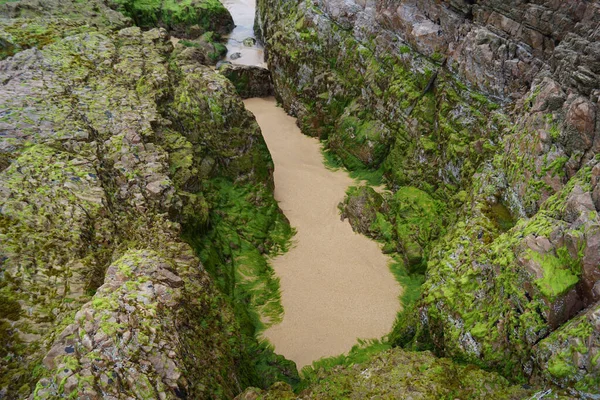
[[336, 285]]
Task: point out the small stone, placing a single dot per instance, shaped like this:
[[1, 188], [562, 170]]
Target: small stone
[[249, 42], [71, 384]]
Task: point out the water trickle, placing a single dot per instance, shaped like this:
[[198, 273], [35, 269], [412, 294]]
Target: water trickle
[[241, 50]]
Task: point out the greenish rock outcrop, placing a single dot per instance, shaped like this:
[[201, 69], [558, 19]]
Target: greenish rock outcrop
[[35, 23], [111, 145], [489, 141], [184, 18], [206, 49], [152, 330], [398, 374], [249, 80]]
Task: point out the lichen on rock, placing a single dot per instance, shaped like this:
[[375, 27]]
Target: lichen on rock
[[489, 144], [108, 142]]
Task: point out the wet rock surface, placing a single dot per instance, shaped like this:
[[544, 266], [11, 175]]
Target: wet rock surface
[[486, 114], [107, 140], [249, 81]]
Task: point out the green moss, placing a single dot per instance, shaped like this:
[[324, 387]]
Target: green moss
[[561, 272], [418, 223], [373, 371], [558, 367], [21, 34], [373, 177], [359, 353], [210, 15], [383, 227], [246, 227], [103, 303]]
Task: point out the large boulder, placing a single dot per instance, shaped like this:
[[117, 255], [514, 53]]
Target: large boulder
[[397, 374], [103, 166], [183, 18], [249, 81]]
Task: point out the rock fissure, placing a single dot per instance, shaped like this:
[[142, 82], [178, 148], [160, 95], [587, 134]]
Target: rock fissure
[[143, 252]]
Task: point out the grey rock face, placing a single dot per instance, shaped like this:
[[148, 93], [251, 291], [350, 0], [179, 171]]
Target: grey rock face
[[419, 72], [249, 81]]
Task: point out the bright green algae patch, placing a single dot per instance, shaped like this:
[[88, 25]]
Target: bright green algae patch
[[247, 228], [376, 371], [177, 15], [561, 272]]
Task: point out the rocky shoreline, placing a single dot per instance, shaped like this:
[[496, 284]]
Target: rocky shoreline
[[137, 211], [110, 140], [482, 118]]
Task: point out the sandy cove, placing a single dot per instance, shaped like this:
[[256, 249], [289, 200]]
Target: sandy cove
[[336, 285]]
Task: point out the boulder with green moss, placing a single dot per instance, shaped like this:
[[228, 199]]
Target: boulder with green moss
[[156, 328], [398, 374], [206, 49], [361, 206], [108, 141], [184, 18], [407, 221], [32, 23]]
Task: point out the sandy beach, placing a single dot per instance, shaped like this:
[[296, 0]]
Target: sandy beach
[[336, 284]]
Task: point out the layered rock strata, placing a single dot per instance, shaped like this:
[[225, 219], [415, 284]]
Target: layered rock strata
[[108, 141], [482, 116]]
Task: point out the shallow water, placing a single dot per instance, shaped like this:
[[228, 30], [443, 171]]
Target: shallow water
[[336, 285], [242, 12]]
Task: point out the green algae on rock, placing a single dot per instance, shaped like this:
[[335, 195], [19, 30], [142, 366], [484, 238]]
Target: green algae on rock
[[182, 17], [398, 374], [149, 328], [507, 230], [102, 166]]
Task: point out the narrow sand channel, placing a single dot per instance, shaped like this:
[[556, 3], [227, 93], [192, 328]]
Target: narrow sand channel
[[336, 284]]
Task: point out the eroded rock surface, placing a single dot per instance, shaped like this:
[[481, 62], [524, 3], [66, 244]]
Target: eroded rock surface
[[482, 116], [107, 141], [398, 374]]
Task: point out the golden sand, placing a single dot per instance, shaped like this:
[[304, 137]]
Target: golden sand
[[336, 285]]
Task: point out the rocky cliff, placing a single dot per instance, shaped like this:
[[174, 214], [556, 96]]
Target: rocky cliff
[[110, 147], [482, 118]]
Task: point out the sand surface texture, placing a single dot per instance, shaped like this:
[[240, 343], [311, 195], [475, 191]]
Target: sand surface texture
[[336, 284]]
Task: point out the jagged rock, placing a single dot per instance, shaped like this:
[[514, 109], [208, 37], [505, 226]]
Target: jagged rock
[[249, 81], [398, 374], [143, 334], [492, 290], [100, 161], [569, 355]]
